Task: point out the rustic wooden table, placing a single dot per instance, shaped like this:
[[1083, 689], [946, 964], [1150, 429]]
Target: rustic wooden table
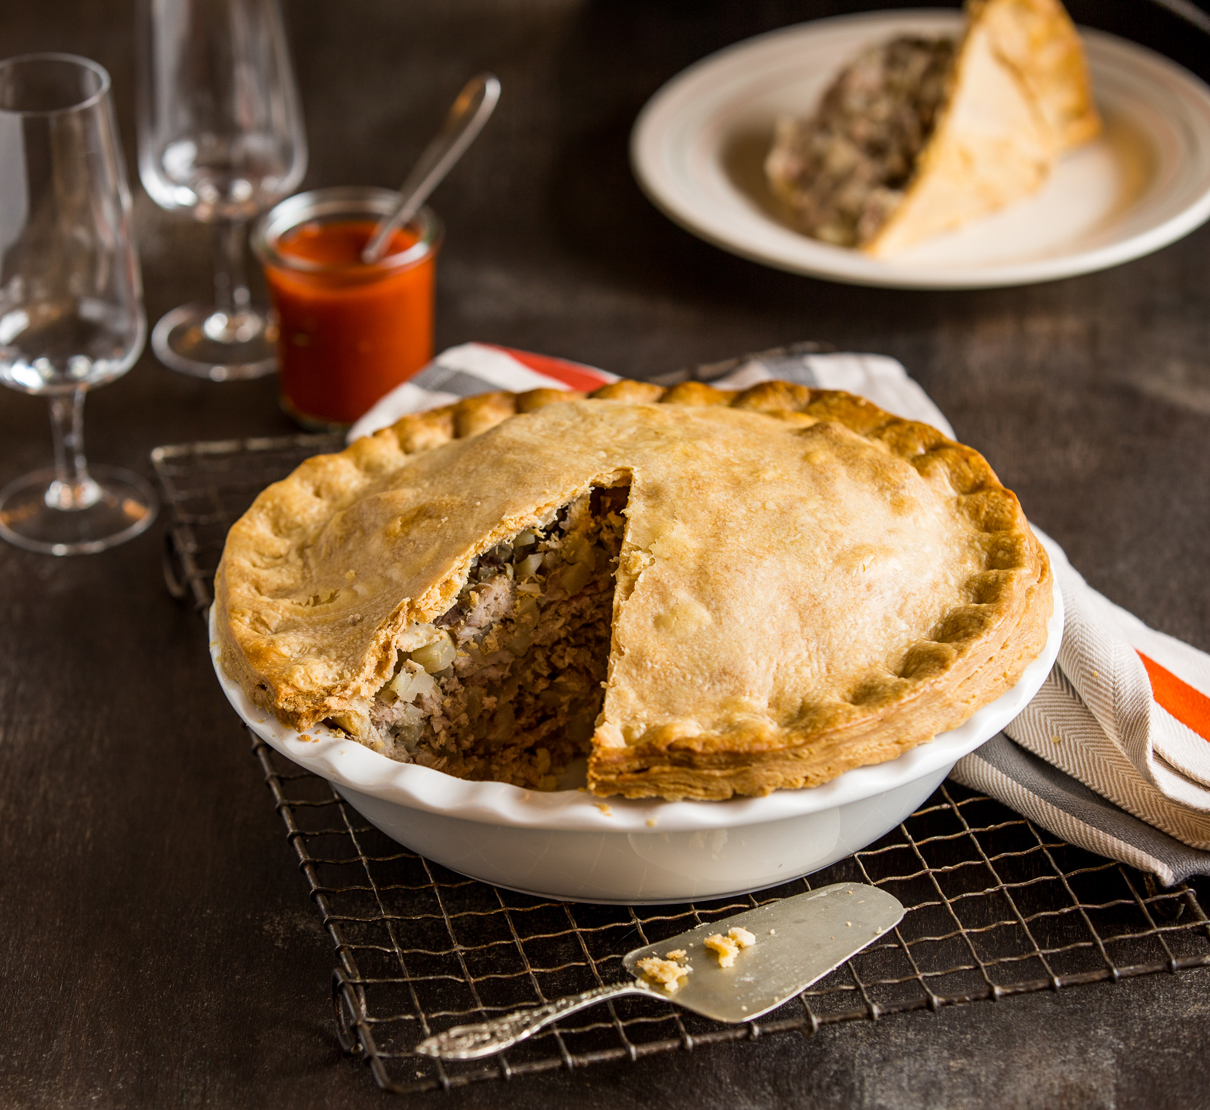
[[158, 947]]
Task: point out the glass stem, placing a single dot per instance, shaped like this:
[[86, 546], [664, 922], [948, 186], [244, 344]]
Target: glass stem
[[230, 280], [73, 487]]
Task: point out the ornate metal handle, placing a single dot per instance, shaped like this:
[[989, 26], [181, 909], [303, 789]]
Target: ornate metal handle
[[469, 1042]]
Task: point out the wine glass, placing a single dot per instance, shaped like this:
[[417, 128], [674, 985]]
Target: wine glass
[[71, 308], [220, 137]]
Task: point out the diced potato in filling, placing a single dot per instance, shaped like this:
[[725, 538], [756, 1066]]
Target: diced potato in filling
[[507, 684]]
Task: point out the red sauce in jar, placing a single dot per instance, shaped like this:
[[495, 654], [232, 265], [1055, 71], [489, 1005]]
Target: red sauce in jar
[[349, 333]]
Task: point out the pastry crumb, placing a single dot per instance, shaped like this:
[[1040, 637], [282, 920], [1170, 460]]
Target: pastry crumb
[[605, 809], [724, 947], [675, 954], [652, 822], [727, 947], [667, 973], [742, 937]]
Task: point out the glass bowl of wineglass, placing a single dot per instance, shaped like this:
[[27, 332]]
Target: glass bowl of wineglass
[[71, 307], [220, 138]]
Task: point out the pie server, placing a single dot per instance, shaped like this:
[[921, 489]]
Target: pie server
[[798, 941]]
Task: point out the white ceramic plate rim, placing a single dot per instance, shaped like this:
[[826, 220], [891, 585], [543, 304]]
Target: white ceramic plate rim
[[347, 763], [684, 108]]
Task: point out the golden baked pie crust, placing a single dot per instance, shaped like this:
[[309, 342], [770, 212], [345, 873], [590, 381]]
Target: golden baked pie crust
[[807, 584]]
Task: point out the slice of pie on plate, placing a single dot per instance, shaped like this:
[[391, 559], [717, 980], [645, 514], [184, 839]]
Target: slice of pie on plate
[[710, 593], [917, 136]]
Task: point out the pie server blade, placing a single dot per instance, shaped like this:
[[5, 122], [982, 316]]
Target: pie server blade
[[798, 941]]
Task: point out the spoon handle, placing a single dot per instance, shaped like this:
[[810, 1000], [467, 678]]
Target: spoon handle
[[465, 120], [469, 1042]]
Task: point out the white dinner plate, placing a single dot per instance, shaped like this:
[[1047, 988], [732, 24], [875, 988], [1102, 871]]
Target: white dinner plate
[[698, 147]]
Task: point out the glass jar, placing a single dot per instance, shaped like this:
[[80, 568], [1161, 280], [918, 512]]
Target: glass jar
[[348, 332]]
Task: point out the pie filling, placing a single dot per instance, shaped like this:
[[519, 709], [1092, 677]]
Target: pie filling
[[507, 684], [845, 171]]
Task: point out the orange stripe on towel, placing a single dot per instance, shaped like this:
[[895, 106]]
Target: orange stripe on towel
[[569, 373], [1186, 703]]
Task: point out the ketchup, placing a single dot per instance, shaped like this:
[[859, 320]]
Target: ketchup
[[349, 333]]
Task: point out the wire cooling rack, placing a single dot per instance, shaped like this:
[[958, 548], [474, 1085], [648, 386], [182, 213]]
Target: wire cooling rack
[[995, 906]]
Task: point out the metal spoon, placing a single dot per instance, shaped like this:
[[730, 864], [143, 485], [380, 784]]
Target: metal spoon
[[465, 120], [798, 941]]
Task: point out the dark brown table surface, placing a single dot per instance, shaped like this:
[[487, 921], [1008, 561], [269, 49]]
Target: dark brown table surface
[[158, 948]]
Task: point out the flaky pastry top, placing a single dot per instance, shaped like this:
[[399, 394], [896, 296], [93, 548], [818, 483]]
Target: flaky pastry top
[[795, 562]]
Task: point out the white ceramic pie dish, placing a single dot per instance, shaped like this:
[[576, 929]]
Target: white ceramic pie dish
[[572, 845]]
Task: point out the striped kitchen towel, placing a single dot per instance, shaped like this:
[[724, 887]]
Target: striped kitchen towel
[[1113, 754], [477, 368]]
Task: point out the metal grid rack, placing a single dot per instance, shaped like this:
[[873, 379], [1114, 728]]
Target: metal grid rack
[[995, 906]]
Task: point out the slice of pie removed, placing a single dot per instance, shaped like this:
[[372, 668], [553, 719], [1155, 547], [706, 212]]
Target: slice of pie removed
[[709, 593], [918, 136]]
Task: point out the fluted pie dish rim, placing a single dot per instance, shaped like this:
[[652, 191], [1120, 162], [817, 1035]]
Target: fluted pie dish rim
[[345, 763]]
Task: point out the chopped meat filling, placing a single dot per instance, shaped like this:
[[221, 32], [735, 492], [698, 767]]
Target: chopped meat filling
[[844, 171], [507, 684]]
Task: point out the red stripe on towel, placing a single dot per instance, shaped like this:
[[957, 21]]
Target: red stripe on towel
[[1186, 703], [571, 374]]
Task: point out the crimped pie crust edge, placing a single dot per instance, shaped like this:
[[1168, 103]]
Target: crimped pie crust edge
[[983, 655]]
